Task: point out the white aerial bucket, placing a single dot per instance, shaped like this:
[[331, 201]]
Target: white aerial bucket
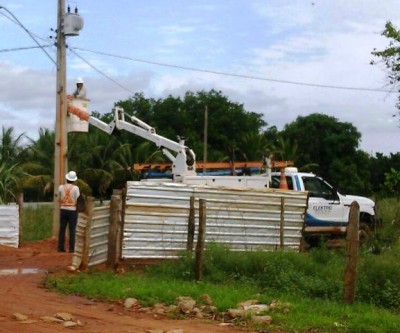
[[74, 124]]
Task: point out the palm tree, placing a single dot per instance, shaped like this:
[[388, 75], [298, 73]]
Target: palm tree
[[39, 166], [10, 147], [9, 182], [285, 150], [255, 146], [10, 160]]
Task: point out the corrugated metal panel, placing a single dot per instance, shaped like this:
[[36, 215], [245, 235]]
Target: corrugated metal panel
[[9, 225], [79, 240], [156, 218], [98, 238], [98, 248]]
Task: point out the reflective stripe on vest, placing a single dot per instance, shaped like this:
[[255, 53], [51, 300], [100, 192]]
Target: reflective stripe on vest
[[67, 200]]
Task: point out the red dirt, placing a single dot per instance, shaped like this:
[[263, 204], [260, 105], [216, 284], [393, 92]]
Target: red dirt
[[22, 271]]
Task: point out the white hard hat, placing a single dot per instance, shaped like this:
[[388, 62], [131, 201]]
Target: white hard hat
[[71, 176], [79, 80]]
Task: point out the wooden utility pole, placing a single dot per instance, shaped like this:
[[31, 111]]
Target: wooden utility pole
[[205, 135], [61, 144]]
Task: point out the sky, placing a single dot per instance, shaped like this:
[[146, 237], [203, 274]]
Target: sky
[[279, 58]]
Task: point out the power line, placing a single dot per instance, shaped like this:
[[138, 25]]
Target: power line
[[28, 32], [25, 48], [237, 75], [101, 72], [16, 21]]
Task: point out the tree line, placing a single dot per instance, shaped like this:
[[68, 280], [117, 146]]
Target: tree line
[[317, 143]]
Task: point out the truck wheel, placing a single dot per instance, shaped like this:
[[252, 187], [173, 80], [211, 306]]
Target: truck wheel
[[363, 232]]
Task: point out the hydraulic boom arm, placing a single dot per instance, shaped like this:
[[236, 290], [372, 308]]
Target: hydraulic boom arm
[[184, 160]]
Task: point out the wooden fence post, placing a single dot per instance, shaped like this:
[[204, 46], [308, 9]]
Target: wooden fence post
[[191, 226], [352, 245], [86, 245], [201, 239], [114, 244], [282, 224]]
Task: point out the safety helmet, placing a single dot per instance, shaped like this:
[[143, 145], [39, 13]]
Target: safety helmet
[[79, 80], [71, 176]]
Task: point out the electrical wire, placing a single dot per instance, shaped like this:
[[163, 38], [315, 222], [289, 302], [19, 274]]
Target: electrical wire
[[101, 72], [29, 33], [16, 21], [24, 48], [238, 75]]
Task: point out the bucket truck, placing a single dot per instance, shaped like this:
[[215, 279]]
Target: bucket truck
[[183, 159]]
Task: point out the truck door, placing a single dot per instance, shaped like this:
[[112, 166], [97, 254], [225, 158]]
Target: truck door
[[324, 206]]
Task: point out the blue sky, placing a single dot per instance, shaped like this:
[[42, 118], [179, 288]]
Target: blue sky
[[317, 42]]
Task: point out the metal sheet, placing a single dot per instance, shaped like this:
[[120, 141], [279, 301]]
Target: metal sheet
[[9, 225], [98, 237], [156, 218], [98, 248]]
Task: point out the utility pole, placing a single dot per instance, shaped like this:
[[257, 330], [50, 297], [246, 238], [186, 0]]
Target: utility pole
[[205, 135], [61, 137]]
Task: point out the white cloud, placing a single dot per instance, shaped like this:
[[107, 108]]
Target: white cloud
[[316, 42]]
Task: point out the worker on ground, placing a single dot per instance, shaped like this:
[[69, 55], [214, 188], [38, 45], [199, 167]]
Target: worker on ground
[[68, 196], [80, 91]]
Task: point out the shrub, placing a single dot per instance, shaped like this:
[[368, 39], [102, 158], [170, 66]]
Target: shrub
[[378, 281], [388, 232]]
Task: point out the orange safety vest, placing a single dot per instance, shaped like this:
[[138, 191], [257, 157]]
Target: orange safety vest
[[67, 200]]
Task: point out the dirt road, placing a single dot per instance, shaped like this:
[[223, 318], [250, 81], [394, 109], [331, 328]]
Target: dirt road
[[21, 274]]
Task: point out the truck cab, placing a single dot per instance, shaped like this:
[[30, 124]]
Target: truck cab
[[328, 210]]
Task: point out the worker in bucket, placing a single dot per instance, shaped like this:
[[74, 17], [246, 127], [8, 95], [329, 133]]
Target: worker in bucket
[[80, 91], [68, 196]]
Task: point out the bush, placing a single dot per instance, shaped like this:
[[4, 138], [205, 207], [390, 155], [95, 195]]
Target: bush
[[378, 281], [388, 231], [315, 274]]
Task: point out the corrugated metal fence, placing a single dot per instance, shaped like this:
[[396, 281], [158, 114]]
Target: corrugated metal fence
[[156, 218], [99, 235], [155, 222], [9, 225], [92, 231]]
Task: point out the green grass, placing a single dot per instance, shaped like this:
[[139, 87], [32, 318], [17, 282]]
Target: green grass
[[37, 222], [312, 283], [305, 314], [148, 288], [312, 315]]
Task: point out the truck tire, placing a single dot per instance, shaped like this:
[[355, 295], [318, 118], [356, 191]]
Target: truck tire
[[364, 231]]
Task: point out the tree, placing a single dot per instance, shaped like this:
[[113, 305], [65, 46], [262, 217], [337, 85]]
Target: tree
[[391, 56], [37, 182], [10, 161], [392, 183], [285, 149], [228, 122], [9, 181], [254, 147], [331, 146], [380, 165]]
